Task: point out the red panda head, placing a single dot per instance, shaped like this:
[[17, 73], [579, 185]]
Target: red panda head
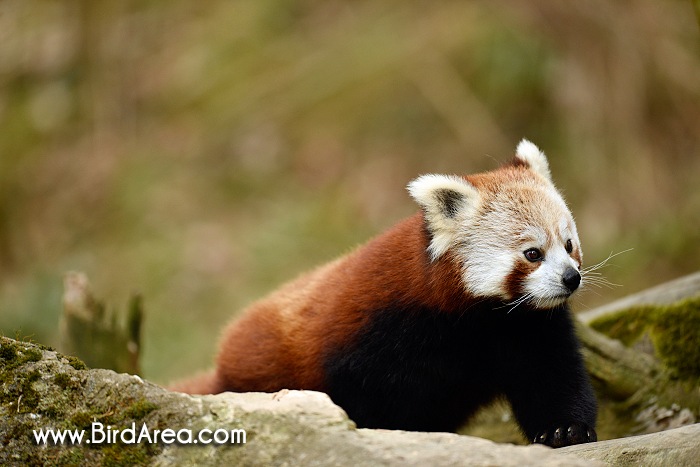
[[509, 229]]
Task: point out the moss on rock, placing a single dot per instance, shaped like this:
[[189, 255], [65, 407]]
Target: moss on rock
[[42, 389], [671, 333], [674, 331], [676, 335]]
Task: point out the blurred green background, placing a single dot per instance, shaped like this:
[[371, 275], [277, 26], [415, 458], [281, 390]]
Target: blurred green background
[[204, 152]]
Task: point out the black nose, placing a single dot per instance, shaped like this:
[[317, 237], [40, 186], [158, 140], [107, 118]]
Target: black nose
[[571, 279]]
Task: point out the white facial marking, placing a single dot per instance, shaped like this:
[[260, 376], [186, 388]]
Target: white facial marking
[[487, 252], [545, 283], [517, 218], [490, 229]]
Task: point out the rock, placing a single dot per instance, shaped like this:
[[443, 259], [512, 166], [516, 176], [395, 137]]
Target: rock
[[42, 389], [679, 447], [654, 418]]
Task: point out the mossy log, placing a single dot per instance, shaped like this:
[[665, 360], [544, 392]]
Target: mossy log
[[651, 378], [643, 353], [663, 294], [95, 334]]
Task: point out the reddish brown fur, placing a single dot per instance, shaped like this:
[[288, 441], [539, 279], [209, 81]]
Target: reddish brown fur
[[280, 341], [514, 282], [381, 330], [514, 171]]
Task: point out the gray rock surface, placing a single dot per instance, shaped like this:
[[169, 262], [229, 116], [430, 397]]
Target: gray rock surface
[[679, 447], [42, 389]]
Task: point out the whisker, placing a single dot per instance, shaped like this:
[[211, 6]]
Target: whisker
[[525, 299], [598, 280], [590, 276], [604, 262], [607, 286], [517, 302], [596, 293]]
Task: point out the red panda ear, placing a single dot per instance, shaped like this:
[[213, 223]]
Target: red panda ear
[[447, 202], [530, 155]]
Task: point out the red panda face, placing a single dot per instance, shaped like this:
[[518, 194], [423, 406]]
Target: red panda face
[[510, 229]]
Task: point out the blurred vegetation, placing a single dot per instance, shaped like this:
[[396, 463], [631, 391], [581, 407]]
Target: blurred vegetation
[[201, 153]]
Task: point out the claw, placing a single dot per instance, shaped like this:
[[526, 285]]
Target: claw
[[592, 435], [575, 433]]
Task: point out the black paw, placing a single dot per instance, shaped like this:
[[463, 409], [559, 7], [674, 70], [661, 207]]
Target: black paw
[[566, 435]]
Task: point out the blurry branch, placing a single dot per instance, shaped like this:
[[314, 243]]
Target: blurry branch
[[89, 332], [696, 7]]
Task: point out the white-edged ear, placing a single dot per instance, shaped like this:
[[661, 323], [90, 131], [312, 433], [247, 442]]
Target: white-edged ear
[[446, 201], [534, 158]]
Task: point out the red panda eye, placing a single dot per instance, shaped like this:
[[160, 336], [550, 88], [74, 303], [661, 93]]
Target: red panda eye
[[569, 246], [533, 254]]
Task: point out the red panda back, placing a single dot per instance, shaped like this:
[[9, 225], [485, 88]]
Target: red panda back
[[281, 340]]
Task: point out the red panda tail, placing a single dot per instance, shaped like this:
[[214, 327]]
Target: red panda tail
[[202, 383]]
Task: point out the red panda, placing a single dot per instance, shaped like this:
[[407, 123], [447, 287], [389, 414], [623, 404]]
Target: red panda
[[460, 304]]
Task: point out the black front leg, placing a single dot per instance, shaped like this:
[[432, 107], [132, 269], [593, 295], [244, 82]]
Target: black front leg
[[546, 382]]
